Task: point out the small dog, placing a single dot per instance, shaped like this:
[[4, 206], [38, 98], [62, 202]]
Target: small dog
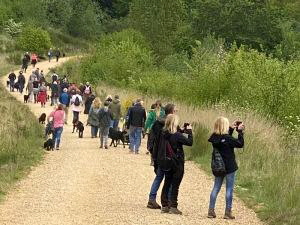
[[49, 144], [26, 97], [42, 118], [79, 128], [117, 136]]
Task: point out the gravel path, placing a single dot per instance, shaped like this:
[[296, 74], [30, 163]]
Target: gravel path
[[82, 184]]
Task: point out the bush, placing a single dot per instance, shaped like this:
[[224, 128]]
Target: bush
[[14, 58], [34, 40]]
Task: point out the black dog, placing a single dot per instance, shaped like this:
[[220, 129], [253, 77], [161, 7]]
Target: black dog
[[42, 118], [26, 97], [49, 144], [117, 136], [79, 128]]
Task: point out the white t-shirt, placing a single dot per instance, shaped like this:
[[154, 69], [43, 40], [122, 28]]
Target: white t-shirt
[[74, 107]]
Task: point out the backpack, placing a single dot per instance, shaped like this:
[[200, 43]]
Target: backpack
[[217, 164], [77, 102], [166, 158], [87, 90]]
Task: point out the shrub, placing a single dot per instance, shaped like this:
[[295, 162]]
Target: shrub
[[13, 28], [34, 40]]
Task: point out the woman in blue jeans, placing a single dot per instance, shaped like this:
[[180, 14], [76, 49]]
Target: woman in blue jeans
[[223, 141], [58, 117]]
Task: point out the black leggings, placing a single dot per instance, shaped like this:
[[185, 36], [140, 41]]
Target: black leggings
[[173, 179], [75, 116]]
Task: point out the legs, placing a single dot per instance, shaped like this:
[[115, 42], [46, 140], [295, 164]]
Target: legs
[[66, 109], [135, 138], [230, 178], [115, 124], [56, 136], [75, 116], [104, 137], [176, 181], [156, 183], [11, 85], [94, 131], [166, 188], [215, 191]]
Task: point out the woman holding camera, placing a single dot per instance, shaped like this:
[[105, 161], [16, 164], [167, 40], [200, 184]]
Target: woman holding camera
[[223, 141], [173, 177]]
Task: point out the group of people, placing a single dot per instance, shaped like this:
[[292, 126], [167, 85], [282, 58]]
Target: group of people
[[165, 136], [54, 53], [27, 59]]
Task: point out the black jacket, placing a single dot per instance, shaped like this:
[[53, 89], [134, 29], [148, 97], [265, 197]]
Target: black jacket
[[137, 116], [155, 132], [12, 76], [21, 79], [177, 140], [225, 145]]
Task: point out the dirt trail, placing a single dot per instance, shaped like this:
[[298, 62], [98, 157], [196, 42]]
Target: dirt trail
[[82, 184]]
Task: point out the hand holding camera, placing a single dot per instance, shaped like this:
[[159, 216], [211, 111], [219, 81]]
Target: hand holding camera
[[238, 125]]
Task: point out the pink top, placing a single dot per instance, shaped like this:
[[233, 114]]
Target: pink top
[[58, 118]]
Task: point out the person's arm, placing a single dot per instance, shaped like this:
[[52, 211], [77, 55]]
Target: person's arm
[[186, 140], [149, 121], [50, 116], [129, 118], [238, 142]]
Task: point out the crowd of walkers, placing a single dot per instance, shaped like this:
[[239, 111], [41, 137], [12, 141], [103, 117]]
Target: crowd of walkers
[[161, 124]]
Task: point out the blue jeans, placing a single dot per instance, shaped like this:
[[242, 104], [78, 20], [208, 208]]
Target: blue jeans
[[57, 135], [156, 183], [135, 135], [94, 131], [230, 178]]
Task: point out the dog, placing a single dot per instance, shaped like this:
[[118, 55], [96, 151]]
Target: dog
[[79, 128], [117, 136], [26, 97], [42, 118], [49, 144], [49, 129]]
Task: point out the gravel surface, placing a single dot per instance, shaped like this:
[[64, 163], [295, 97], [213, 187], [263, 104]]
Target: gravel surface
[[82, 184]]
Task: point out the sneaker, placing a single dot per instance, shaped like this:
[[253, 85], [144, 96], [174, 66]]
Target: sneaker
[[152, 204], [105, 147], [211, 213], [57, 148], [165, 209], [174, 210]]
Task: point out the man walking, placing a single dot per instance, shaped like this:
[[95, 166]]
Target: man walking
[[64, 99], [12, 77], [21, 81], [115, 108], [136, 120]]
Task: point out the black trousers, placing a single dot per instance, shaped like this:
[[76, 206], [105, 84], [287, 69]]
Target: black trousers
[[75, 117], [173, 179]]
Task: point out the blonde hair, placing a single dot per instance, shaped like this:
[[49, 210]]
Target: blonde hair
[[171, 123], [221, 125], [96, 103]]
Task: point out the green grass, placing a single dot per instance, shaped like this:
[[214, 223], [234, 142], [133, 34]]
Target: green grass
[[20, 135]]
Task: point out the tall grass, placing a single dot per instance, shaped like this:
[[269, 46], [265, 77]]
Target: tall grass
[[20, 135]]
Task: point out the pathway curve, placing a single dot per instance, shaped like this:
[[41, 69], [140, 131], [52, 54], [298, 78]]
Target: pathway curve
[[82, 184]]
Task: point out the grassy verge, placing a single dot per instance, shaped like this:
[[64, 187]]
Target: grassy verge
[[267, 181], [20, 135]]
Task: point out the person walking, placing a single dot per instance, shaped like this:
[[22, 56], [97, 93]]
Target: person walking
[[223, 141], [50, 53], [88, 103], [58, 123], [64, 99], [76, 102], [34, 59], [174, 174], [57, 54], [25, 63], [36, 86], [29, 90], [32, 76], [115, 107], [93, 118], [136, 120], [105, 116], [42, 96], [22, 81], [152, 146], [54, 93], [12, 77], [87, 91], [54, 77]]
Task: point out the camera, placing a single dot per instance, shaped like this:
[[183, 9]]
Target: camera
[[237, 123], [185, 125]]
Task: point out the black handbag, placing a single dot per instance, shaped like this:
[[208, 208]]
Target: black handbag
[[217, 164]]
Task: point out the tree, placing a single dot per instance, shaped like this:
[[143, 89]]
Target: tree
[[13, 28], [34, 40], [159, 21]]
